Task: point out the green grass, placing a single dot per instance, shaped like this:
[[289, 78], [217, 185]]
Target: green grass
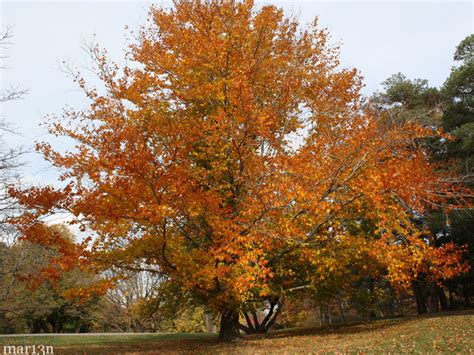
[[86, 339], [444, 332]]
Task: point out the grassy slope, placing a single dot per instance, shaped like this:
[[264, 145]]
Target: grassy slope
[[447, 332]]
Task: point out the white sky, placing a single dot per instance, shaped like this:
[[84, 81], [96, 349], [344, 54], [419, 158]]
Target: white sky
[[379, 38]]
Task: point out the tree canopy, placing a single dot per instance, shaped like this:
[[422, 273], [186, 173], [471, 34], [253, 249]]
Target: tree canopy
[[234, 156]]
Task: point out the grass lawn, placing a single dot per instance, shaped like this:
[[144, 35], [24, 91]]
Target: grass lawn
[[444, 332]]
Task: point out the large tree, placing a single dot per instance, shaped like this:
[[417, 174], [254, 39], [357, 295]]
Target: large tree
[[233, 154]]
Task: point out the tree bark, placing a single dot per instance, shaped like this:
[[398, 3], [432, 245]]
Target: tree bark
[[260, 327], [229, 329], [433, 302], [466, 294], [443, 301], [420, 299], [250, 325], [341, 312], [451, 300], [321, 316], [208, 322]]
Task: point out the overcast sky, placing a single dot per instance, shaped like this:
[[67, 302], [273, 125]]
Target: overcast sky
[[379, 38]]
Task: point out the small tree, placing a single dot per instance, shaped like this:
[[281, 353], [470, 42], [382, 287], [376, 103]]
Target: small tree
[[36, 307], [231, 154]]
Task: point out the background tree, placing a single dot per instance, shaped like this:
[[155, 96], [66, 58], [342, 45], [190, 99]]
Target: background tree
[[231, 155], [9, 157], [32, 308], [175, 309], [458, 119], [449, 108], [130, 296]]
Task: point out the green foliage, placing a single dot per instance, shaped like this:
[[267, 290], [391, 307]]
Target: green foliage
[[409, 93], [41, 308], [190, 320], [406, 100], [458, 90], [464, 144], [459, 93], [465, 49], [173, 309], [375, 297]]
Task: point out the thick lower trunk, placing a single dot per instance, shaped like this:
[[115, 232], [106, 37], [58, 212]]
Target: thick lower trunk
[[263, 326], [229, 330]]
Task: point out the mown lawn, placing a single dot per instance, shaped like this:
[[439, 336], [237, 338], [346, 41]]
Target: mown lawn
[[445, 332]]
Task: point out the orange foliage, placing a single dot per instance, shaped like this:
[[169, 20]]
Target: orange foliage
[[231, 139]]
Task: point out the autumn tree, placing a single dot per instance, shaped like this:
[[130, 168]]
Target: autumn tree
[[232, 153]]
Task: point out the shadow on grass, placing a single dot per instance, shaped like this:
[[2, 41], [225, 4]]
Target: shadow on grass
[[208, 344], [357, 327]]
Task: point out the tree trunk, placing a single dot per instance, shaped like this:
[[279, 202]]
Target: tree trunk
[[229, 330], [443, 301], [208, 322], [420, 299], [451, 299], [433, 303], [259, 327], [466, 294], [321, 316], [341, 312]]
